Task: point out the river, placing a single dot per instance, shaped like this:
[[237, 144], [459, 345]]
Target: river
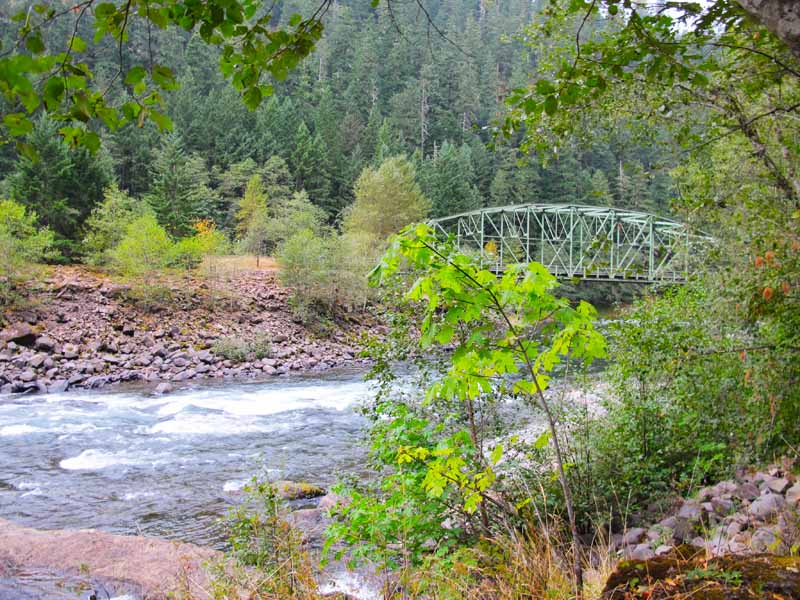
[[129, 462]]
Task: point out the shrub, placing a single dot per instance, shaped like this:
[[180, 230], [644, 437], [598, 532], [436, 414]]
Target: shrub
[[308, 267], [108, 223], [21, 244], [238, 350]]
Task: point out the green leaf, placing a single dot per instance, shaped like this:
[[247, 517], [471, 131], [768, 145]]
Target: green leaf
[[551, 105], [18, 124], [135, 75], [295, 20], [497, 454], [76, 44], [542, 441], [34, 43], [53, 92], [163, 122], [252, 98]]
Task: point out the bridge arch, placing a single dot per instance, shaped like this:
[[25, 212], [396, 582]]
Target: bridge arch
[[577, 241]]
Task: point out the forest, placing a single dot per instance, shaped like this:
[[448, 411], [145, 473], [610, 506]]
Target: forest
[[517, 444]]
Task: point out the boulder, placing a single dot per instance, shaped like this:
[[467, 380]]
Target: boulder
[[633, 535], [58, 386], [293, 490], [687, 573], [767, 506], [45, 344], [691, 511], [640, 552], [19, 333], [747, 491], [777, 485], [793, 495], [163, 388]]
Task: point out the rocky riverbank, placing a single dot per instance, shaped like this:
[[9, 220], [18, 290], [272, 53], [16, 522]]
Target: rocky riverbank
[[80, 330], [755, 512]]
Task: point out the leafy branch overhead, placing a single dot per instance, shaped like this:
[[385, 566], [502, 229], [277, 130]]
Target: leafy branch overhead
[[37, 72]]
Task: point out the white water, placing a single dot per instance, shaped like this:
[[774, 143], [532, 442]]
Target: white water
[[131, 462]]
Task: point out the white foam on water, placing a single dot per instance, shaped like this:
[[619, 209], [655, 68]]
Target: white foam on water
[[209, 424], [234, 485], [136, 495], [10, 430], [268, 400], [34, 492], [352, 584], [94, 460]]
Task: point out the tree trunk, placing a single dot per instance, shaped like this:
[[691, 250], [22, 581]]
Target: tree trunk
[[781, 17]]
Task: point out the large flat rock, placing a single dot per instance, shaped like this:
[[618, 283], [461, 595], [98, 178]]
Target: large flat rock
[[148, 567]]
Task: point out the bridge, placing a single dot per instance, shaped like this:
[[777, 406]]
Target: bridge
[[575, 241]]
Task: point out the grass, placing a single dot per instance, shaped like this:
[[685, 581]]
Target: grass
[[246, 262]]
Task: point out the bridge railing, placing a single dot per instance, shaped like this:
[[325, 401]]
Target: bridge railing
[[575, 241]]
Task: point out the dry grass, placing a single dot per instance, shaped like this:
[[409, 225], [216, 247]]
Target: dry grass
[[247, 262]]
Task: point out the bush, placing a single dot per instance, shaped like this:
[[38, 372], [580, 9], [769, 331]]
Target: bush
[[21, 244], [238, 350], [308, 266], [108, 223]]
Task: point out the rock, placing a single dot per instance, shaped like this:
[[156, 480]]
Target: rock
[[765, 540], [633, 536], [663, 549], [639, 552], [163, 388], [777, 485], [793, 495], [128, 329], [19, 333], [767, 506], [58, 386], [722, 506], [45, 344], [70, 351], [683, 530], [205, 356], [675, 575], [27, 375], [291, 490], [37, 360], [180, 362], [691, 511], [747, 491], [331, 500], [311, 523]]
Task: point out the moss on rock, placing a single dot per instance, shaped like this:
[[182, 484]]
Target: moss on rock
[[687, 573]]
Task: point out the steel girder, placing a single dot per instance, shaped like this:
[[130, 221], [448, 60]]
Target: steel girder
[[575, 241]]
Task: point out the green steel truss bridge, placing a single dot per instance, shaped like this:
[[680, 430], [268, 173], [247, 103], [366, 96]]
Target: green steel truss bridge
[[575, 241]]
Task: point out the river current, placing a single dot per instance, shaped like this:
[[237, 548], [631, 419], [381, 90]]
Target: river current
[[127, 461]]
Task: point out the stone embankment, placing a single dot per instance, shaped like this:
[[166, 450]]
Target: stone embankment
[[753, 513], [79, 331]]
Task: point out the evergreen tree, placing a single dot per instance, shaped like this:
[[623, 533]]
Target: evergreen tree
[[179, 193], [448, 182], [62, 186], [251, 205]]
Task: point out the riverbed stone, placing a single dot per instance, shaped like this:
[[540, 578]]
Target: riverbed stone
[[767, 506], [20, 333], [163, 388], [793, 495], [634, 535]]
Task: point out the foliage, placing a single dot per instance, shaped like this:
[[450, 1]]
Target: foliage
[[507, 334], [308, 266], [107, 224], [62, 186], [387, 199], [39, 71], [239, 350], [267, 557], [252, 205], [179, 192], [144, 250], [295, 214], [21, 243]]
